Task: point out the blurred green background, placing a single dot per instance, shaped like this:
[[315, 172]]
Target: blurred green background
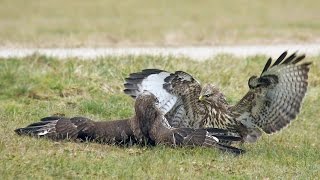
[[99, 23]]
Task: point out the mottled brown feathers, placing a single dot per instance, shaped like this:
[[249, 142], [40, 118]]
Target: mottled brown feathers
[[273, 101]]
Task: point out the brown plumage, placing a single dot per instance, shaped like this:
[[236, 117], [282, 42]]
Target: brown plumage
[[273, 100], [148, 126], [58, 128]]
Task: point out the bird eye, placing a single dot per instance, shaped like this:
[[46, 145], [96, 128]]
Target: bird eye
[[207, 95]]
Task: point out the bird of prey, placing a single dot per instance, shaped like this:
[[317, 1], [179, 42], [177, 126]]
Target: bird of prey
[[272, 102], [148, 126], [151, 124]]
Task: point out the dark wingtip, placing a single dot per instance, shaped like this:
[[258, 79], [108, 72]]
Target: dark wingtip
[[169, 78], [216, 130], [51, 118], [228, 138], [151, 71], [19, 131], [298, 59], [266, 67], [231, 149], [280, 58], [290, 58]]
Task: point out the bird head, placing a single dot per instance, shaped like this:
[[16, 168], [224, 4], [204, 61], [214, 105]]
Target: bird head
[[148, 98], [253, 82], [209, 93]]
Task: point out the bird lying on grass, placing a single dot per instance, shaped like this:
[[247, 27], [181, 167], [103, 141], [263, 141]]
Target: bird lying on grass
[[148, 126]]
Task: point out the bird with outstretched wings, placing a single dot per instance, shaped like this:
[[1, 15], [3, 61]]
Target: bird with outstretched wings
[[272, 102], [148, 127]]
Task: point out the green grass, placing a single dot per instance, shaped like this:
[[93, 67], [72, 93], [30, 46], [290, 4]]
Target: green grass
[[37, 86], [57, 23]]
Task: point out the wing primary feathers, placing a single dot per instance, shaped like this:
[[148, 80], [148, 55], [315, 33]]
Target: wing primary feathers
[[281, 57], [45, 125], [290, 58], [51, 118], [151, 71], [298, 59], [275, 98], [130, 86], [267, 65], [130, 92], [134, 80]]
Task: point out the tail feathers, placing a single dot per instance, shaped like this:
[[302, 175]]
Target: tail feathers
[[230, 149], [201, 137], [217, 130], [210, 141], [228, 138]]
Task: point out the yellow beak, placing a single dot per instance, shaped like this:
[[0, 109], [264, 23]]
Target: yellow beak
[[200, 98]]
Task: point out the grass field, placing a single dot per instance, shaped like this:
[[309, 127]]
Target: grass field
[[38, 86], [58, 23]]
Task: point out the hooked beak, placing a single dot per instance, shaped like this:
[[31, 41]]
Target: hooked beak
[[200, 98]]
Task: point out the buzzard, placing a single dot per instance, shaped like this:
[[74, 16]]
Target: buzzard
[[148, 126], [272, 102], [150, 123]]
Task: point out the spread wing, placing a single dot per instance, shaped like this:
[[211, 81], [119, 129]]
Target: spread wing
[[175, 92], [58, 128], [275, 97]]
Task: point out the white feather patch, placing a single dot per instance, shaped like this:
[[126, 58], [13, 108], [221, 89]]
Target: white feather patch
[[154, 84], [215, 138], [43, 133]]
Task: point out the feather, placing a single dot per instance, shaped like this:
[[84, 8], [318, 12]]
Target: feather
[[267, 65], [273, 101], [58, 128], [151, 80], [298, 59], [281, 57], [153, 126], [290, 58], [277, 96]]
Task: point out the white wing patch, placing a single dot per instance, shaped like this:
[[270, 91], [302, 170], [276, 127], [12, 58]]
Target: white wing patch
[[154, 84], [43, 133], [209, 135]]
